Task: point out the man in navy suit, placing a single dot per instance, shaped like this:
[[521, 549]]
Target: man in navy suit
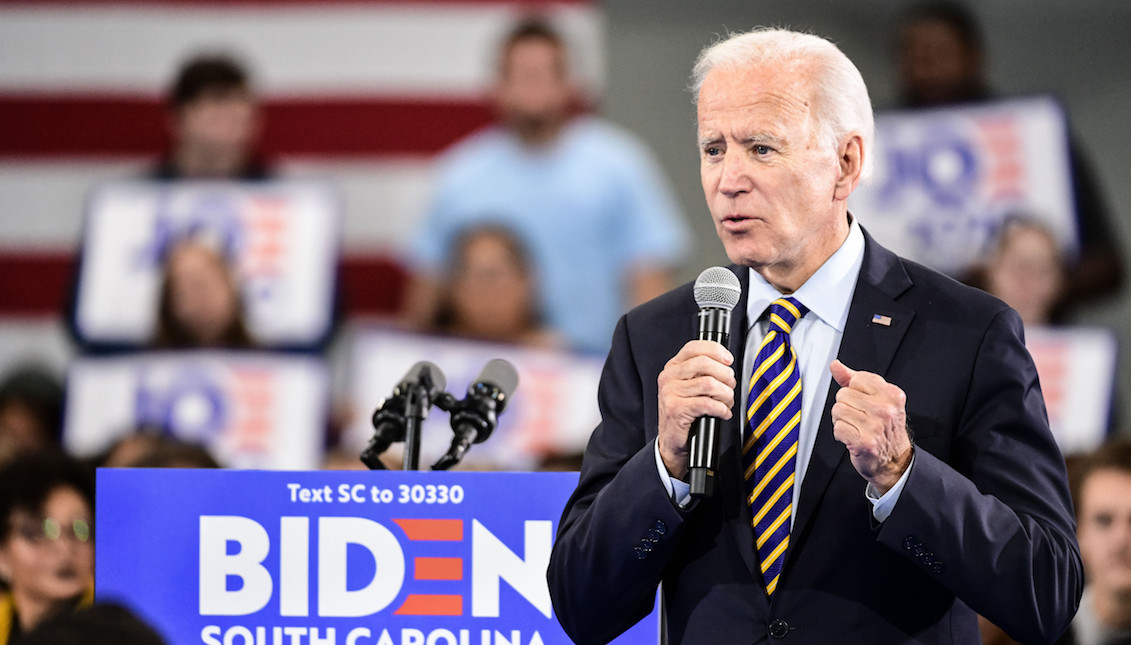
[[925, 485]]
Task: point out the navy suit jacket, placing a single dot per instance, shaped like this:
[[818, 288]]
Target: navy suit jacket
[[984, 524]]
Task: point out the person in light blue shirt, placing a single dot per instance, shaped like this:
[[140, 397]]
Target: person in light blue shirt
[[584, 196]]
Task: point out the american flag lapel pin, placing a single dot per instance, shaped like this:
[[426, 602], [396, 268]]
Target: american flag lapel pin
[[880, 319]]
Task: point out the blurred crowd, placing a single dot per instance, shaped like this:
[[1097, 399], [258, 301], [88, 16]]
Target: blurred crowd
[[543, 228]]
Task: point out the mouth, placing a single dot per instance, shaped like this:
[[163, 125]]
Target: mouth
[[67, 574], [736, 221]]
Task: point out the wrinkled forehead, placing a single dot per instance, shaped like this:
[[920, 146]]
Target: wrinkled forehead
[[776, 94]]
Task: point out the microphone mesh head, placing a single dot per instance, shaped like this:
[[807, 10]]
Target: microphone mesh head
[[717, 287], [439, 381], [501, 374]]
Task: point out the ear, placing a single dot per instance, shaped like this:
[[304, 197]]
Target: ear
[[5, 568], [851, 164]]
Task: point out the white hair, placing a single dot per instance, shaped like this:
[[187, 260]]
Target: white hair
[[841, 98]]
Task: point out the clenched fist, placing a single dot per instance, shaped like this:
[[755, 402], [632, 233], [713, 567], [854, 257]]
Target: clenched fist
[[869, 419]]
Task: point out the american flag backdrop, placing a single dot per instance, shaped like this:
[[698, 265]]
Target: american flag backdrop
[[362, 92]]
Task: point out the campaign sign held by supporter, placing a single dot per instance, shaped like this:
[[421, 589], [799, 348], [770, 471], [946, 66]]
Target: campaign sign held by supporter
[[946, 179], [335, 558], [250, 410], [552, 412], [280, 238], [1077, 370]]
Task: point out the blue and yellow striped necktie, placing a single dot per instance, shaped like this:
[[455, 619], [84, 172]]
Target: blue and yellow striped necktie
[[769, 451]]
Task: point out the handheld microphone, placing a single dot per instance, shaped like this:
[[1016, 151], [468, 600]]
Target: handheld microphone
[[717, 291], [474, 418], [411, 396]]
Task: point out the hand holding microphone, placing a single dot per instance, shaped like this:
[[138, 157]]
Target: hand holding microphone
[[696, 387]]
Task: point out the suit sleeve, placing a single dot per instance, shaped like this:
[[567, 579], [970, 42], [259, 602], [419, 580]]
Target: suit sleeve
[[620, 528], [994, 521]]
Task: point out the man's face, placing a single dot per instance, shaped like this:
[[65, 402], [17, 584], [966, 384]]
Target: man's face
[[533, 87], [1104, 531], [222, 122], [769, 181]]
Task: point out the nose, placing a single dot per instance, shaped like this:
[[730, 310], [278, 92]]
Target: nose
[[734, 176]]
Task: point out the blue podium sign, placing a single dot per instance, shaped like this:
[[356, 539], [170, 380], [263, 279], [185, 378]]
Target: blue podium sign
[[226, 557]]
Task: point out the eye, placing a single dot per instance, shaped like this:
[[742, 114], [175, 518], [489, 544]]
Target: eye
[[30, 532], [762, 150], [712, 151]]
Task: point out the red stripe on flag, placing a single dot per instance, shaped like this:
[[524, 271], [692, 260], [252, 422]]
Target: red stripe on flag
[[431, 605], [81, 125], [38, 284], [35, 283], [372, 285], [75, 125], [438, 569], [369, 127], [432, 530]]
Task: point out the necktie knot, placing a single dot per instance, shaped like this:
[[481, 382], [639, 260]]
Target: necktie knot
[[784, 314]]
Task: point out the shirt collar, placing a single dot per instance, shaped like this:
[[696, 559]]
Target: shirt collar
[[827, 293]]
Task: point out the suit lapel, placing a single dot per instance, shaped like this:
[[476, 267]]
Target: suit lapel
[[730, 448], [866, 345]]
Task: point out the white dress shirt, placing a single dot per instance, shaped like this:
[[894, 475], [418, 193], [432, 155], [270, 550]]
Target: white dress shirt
[[816, 339]]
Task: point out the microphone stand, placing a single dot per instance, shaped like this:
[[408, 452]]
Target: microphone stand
[[401, 418], [417, 404]]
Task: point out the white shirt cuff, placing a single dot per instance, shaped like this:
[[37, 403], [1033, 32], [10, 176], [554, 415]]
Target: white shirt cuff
[[882, 505], [679, 491]]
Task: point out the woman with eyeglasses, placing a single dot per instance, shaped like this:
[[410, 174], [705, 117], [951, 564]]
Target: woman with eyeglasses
[[46, 540]]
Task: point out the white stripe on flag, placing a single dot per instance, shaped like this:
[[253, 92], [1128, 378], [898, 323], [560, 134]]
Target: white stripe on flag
[[382, 200], [383, 48]]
